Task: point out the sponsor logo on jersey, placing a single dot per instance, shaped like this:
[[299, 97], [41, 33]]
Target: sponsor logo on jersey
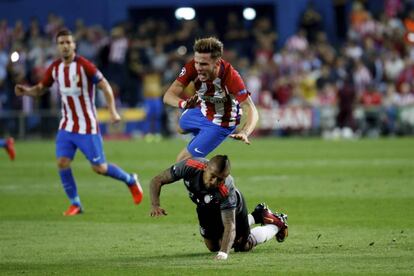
[[214, 100]]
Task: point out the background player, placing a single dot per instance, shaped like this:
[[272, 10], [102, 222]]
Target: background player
[[77, 79], [221, 208], [213, 112]]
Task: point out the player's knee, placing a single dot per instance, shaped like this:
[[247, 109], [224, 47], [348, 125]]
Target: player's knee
[[63, 163], [213, 246], [244, 245], [250, 243], [100, 169], [184, 154]]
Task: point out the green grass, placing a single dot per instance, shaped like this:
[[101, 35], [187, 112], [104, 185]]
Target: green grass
[[350, 207]]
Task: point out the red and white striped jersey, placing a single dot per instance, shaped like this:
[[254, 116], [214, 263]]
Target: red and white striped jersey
[[76, 84], [220, 98]]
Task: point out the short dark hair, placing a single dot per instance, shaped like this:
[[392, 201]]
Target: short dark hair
[[209, 45], [63, 32], [221, 162]]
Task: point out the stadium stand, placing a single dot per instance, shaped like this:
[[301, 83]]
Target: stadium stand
[[357, 83]]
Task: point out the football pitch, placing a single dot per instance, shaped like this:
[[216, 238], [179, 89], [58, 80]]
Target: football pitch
[[350, 207]]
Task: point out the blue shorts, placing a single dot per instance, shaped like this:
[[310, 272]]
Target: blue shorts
[[90, 145], [207, 136]]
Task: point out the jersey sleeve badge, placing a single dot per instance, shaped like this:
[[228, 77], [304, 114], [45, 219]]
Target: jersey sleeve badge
[[183, 71]]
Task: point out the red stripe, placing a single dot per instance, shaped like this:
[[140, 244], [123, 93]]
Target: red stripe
[[57, 77], [65, 116], [82, 101], [66, 76], [210, 111], [87, 119], [223, 190], [195, 164], [210, 107], [74, 115], [227, 112]]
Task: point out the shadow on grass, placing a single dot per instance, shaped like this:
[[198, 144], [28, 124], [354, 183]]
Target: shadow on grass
[[180, 259]]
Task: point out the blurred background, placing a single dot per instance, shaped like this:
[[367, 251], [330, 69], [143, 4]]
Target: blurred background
[[330, 68]]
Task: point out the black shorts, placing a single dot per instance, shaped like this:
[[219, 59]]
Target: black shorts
[[211, 225]]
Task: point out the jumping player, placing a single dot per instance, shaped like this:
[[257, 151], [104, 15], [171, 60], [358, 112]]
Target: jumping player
[[213, 113]]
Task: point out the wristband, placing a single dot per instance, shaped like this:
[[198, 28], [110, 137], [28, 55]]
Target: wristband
[[182, 104], [222, 255]]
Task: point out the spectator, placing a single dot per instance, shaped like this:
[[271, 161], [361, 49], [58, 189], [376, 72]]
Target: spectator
[[371, 100], [133, 95], [362, 76], [5, 34], [405, 97], [236, 35], [393, 65], [346, 102], [311, 22], [298, 42]]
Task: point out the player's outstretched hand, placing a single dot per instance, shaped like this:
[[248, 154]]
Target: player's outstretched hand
[[240, 136], [158, 212]]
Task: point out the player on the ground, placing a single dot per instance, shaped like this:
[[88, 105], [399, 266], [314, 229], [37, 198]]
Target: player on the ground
[[214, 112], [221, 208], [8, 145], [77, 79]]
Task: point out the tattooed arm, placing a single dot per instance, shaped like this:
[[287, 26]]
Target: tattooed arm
[[229, 221], [155, 190]]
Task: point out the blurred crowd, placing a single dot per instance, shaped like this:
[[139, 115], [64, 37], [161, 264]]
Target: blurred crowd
[[366, 78]]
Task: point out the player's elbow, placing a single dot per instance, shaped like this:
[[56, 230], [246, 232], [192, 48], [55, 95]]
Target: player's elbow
[[166, 98]]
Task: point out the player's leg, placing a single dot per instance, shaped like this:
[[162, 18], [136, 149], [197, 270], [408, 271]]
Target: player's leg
[[243, 240], [92, 147], [209, 137], [212, 245], [211, 227], [184, 154], [274, 224], [190, 122], [262, 234], [65, 152], [8, 145]]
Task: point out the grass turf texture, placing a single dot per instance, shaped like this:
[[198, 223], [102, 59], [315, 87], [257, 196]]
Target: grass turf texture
[[350, 207]]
